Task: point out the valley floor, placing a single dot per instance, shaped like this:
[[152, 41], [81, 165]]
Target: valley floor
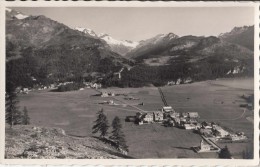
[[216, 100]]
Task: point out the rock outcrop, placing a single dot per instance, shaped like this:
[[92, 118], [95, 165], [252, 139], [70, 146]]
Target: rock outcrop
[[30, 142]]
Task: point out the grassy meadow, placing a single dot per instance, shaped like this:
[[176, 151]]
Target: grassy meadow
[[216, 100]]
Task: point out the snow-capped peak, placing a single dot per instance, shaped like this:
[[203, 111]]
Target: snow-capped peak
[[16, 14], [111, 41], [86, 31], [21, 16]]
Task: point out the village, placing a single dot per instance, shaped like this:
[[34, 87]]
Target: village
[[54, 86], [210, 132]]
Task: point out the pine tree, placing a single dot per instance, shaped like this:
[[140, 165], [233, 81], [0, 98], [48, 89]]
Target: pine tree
[[225, 153], [13, 115], [117, 135], [101, 124], [26, 118]]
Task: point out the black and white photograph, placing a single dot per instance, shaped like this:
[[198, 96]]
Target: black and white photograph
[[111, 82]]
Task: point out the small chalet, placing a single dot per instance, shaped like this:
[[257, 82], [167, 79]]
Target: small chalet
[[167, 109], [158, 116], [104, 94], [218, 131], [193, 114], [189, 126], [148, 118]]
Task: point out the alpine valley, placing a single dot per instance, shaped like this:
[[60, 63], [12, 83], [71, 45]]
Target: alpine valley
[[40, 50]]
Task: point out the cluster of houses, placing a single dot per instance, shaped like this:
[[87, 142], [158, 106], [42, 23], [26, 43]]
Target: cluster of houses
[[110, 102], [216, 132], [93, 85], [180, 81], [189, 121], [55, 86], [107, 94], [169, 117]]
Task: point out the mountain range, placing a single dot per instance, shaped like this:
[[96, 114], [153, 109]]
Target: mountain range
[[119, 46], [41, 48]]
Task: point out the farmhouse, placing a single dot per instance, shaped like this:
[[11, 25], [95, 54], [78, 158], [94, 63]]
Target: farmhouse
[[235, 137], [104, 94], [204, 147], [170, 83], [178, 81], [205, 132], [189, 126], [188, 80], [158, 116], [218, 131], [207, 146], [167, 109], [148, 118], [95, 85], [174, 115], [193, 114]]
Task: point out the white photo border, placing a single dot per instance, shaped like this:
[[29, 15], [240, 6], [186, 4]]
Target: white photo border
[[132, 162]]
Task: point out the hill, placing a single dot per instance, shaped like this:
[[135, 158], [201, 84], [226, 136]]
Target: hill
[[38, 142], [243, 36], [46, 50]]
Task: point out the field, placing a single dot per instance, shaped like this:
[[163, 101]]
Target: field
[[217, 101]]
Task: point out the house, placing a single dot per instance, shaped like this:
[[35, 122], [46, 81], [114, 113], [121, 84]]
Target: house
[[25, 89], [52, 86], [206, 132], [189, 126], [167, 109], [104, 94], [206, 147], [111, 94], [218, 131], [178, 82], [96, 86], [158, 116], [236, 137], [177, 121], [170, 83], [188, 80], [206, 125], [191, 120], [184, 115], [193, 114], [148, 118], [175, 115]]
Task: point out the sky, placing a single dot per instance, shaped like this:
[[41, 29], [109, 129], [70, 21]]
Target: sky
[[140, 23]]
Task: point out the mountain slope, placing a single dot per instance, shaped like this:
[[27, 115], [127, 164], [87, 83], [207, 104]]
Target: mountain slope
[[30, 142], [243, 36], [154, 44], [50, 51], [121, 47], [188, 58]]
